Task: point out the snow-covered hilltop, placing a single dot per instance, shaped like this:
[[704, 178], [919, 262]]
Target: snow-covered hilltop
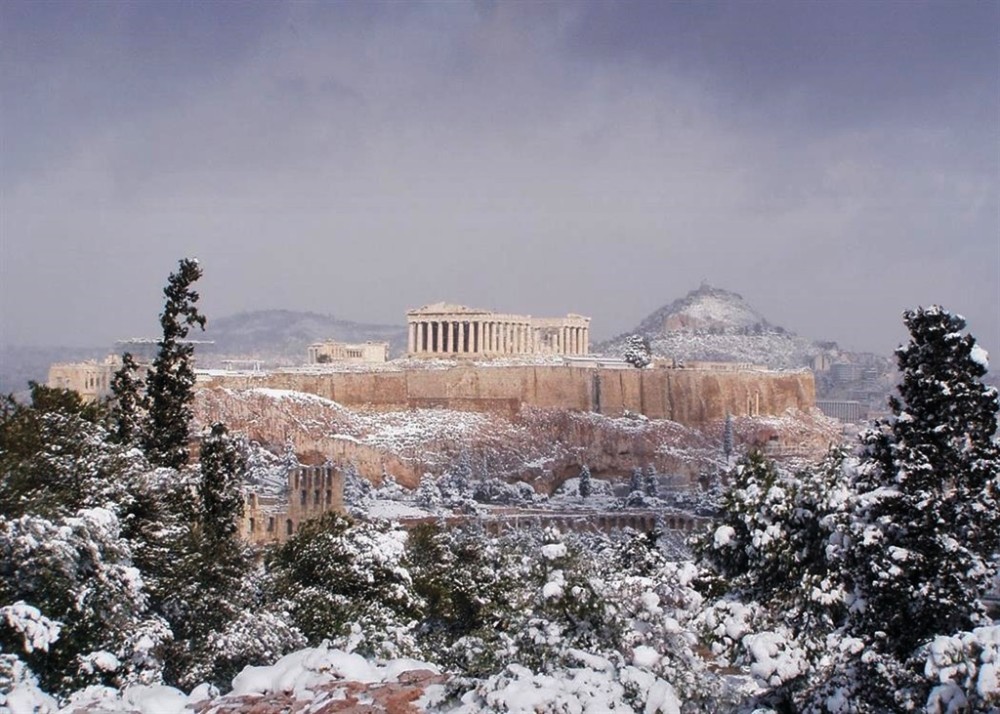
[[713, 324]]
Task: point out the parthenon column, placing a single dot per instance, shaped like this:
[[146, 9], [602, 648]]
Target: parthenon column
[[453, 329]]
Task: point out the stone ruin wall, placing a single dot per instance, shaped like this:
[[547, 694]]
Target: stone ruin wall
[[689, 397]]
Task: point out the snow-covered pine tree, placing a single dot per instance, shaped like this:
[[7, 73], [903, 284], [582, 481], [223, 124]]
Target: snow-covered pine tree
[[128, 402], [170, 385], [928, 514], [584, 486], [637, 351]]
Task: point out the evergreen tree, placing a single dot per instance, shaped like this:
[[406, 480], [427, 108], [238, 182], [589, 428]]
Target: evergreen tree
[[635, 482], [727, 438], [223, 471], [637, 351], [171, 380], [584, 486], [72, 606], [54, 456], [335, 574], [128, 402], [928, 514], [650, 482]]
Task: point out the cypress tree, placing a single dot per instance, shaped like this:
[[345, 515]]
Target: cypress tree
[[650, 481], [223, 469], [171, 380], [585, 487], [635, 482], [128, 402], [727, 438]]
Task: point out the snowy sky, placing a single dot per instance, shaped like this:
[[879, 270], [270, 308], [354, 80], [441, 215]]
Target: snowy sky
[[833, 162]]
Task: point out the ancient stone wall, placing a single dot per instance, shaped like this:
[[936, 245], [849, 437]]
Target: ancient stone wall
[[312, 491], [688, 396]]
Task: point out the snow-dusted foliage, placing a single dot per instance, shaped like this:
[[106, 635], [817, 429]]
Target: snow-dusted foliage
[[637, 351], [74, 608], [889, 554], [964, 669], [344, 581], [56, 458]]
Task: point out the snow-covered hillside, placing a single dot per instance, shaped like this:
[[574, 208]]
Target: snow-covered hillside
[[713, 324]]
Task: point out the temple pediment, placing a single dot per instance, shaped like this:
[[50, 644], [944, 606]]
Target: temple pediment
[[446, 308]]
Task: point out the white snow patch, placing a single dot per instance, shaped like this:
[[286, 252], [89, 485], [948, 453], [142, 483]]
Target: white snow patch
[[980, 356], [553, 551], [724, 536]]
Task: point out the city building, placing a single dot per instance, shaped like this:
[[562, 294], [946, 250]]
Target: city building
[[90, 379], [331, 351]]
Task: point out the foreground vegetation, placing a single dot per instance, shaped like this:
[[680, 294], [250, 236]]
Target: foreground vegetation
[[853, 586]]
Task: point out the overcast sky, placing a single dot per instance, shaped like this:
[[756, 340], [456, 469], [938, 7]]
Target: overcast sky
[[832, 162]]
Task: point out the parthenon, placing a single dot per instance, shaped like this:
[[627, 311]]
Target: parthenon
[[449, 330]]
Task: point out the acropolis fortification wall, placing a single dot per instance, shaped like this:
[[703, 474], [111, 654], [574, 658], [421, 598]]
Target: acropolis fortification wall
[[687, 396]]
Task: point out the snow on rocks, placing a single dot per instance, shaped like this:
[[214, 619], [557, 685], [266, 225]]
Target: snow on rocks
[[316, 679], [304, 670], [596, 687]]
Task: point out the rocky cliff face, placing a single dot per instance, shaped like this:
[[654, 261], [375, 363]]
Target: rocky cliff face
[[542, 446]]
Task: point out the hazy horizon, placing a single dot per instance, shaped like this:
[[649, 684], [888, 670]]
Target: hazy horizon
[[834, 164]]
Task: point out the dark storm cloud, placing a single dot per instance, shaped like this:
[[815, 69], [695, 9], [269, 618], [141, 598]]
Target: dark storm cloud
[[854, 62], [835, 163]]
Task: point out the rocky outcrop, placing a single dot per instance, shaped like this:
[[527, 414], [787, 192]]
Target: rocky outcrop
[[400, 697], [542, 447]]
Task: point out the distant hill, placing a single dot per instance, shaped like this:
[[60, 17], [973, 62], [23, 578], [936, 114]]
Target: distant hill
[[712, 324], [285, 334]]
